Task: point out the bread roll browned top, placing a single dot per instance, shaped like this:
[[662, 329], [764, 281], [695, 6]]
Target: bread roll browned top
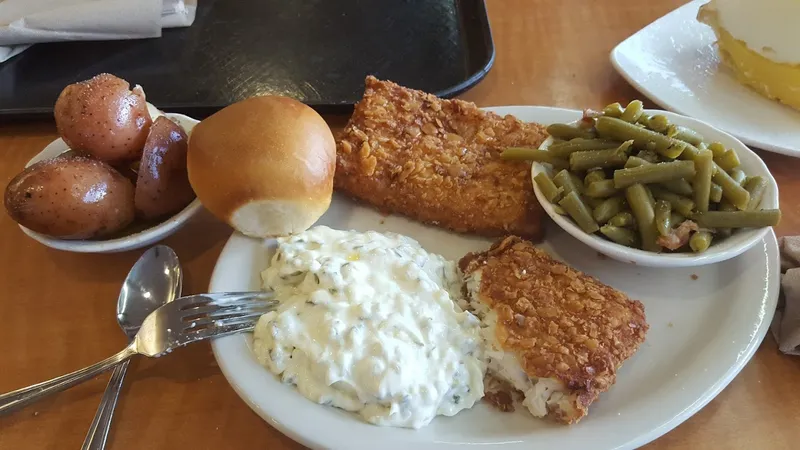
[[264, 165]]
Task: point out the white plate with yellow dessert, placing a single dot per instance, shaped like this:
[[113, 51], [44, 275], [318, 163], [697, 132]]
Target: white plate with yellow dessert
[[678, 62]]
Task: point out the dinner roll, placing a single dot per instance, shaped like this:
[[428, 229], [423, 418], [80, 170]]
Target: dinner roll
[[264, 165]]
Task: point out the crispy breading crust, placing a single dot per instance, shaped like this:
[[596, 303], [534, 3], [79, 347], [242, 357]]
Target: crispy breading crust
[[501, 400], [559, 322], [437, 161]]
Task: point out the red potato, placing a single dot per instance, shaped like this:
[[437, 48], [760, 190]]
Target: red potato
[[102, 117], [162, 187], [71, 197]]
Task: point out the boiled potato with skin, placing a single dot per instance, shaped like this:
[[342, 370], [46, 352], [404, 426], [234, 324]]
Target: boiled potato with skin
[[163, 187], [71, 197], [102, 117]]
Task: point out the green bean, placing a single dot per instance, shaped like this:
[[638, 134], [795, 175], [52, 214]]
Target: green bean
[[601, 189], [715, 195], [659, 123], [642, 209], [725, 205], [757, 187], [626, 147], [636, 161], [567, 180], [592, 176], [663, 217], [738, 219], [644, 120], [613, 110], [564, 149], [609, 208], [559, 210], [680, 187], [550, 191], [597, 158], [618, 129], [718, 149], [728, 160], [567, 132], [575, 207], [650, 195], [653, 173], [633, 111], [623, 219], [621, 236], [702, 179], [685, 134], [731, 190], [649, 155], [676, 218], [738, 175], [683, 205], [529, 154], [592, 202], [700, 241], [690, 152], [576, 180], [674, 150]]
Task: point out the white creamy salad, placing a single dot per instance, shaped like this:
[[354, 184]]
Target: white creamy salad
[[368, 322]]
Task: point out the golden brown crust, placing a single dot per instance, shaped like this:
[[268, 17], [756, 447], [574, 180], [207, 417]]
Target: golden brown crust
[[261, 149], [437, 161], [559, 322], [500, 400]]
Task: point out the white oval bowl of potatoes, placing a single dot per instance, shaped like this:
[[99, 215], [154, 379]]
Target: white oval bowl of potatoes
[[137, 239], [116, 180]]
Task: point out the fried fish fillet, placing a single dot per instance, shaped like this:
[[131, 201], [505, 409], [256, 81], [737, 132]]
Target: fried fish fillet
[[554, 334], [438, 161]]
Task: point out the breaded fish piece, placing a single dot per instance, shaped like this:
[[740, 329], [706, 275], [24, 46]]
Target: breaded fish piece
[[438, 161], [555, 334]]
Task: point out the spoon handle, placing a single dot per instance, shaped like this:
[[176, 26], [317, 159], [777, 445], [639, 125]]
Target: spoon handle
[[21, 397], [97, 435]]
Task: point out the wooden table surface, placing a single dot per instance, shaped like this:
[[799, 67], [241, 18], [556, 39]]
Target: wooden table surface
[[58, 307]]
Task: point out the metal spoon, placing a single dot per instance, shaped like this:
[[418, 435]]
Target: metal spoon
[[155, 279]]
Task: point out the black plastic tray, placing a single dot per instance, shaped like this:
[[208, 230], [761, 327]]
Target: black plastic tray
[[317, 51]]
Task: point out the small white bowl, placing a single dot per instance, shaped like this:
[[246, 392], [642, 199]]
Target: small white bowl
[[128, 242], [730, 247]]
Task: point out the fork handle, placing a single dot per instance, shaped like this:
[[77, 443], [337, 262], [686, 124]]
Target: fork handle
[[97, 435], [22, 397]]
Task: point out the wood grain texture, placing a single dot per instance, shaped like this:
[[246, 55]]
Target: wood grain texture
[[58, 308]]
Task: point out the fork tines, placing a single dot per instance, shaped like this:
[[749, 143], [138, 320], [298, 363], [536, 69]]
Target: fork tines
[[211, 315]]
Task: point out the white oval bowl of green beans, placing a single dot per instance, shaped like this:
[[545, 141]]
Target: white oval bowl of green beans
[[653, 188]]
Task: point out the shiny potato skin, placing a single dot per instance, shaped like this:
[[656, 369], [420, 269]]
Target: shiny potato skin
[[162, 187], [71, 197], [102, 117]]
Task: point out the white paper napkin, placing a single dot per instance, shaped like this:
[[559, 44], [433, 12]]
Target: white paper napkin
[[786, 324], [25, 22]]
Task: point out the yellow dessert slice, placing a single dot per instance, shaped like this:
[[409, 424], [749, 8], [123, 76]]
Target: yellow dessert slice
[[775, 80]]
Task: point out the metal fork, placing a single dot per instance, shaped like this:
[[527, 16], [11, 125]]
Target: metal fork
[[183, 321]]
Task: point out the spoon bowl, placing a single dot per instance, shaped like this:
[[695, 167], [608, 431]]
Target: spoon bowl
[[154, 280]]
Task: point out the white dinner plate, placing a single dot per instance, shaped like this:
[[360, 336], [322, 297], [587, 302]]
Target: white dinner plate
[[675, 63], [705, 324]]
